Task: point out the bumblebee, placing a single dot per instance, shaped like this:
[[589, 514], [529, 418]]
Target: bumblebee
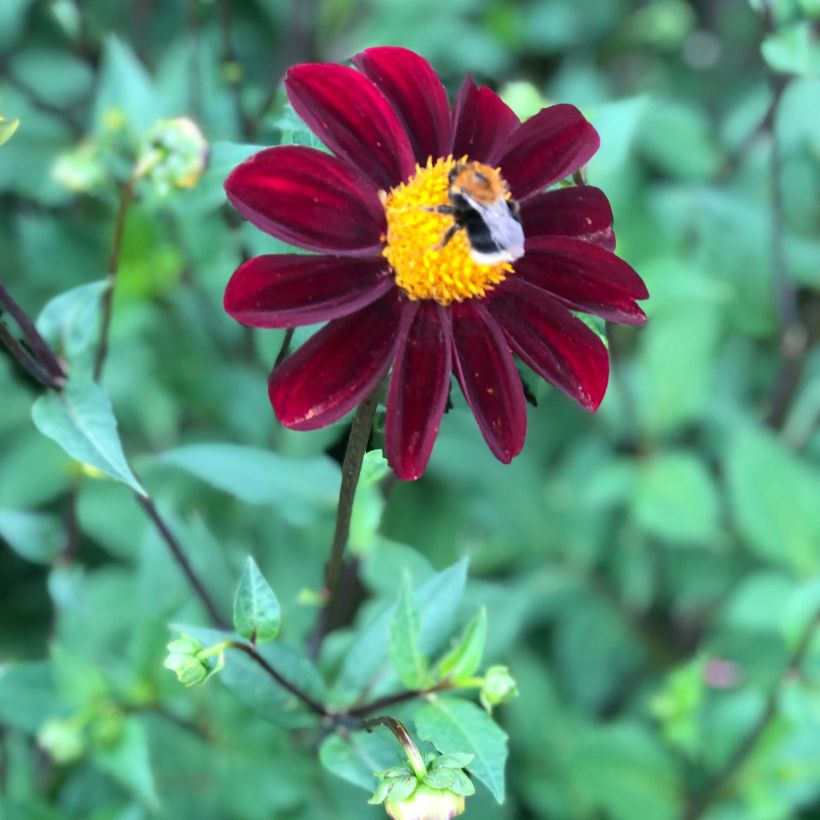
[[480, 206]]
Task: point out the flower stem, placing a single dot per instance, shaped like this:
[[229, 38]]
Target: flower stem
[[181, 559], [403, 736], [351, 470], [285, 348], [26, 360], [42, 352], [400, 697], [252, 653], [126, 196]]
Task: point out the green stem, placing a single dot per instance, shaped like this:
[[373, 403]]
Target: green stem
[[399, 697], [147, 503], [26, 360], [38, 346], [126, 195], [351, 470], [285, 348], [314, 705], [403, 736]]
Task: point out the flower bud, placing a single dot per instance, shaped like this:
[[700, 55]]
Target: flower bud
[[426, 804], [7, 128], [173, 155], [80, 170], [435, 793], [61, 739], [191, 662], [499, 687]]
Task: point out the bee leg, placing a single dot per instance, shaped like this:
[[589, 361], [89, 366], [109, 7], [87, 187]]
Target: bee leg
[[448, 236], [447, 210]]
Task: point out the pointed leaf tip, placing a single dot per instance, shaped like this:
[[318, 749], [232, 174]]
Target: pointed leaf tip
[[256, 614]]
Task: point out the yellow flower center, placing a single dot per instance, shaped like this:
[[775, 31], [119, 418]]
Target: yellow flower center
[[424, 268]]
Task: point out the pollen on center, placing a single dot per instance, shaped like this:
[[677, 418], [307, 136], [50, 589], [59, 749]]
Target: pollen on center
[[424, 268]]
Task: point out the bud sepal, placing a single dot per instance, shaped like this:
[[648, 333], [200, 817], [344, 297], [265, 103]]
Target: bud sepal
[[437, 792], [498, 686], [192, 662]]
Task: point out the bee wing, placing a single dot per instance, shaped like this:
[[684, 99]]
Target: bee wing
[[505, 230]]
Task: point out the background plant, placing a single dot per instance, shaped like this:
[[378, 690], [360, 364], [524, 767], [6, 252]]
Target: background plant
[[649, 574]]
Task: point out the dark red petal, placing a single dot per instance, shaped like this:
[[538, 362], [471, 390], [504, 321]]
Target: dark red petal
[[335, 369], [580, 211], [482, 121], [416, 92], [418, 388], [489, 380], [287, 290], [308, 198], [546, 148], [556, 345], [584, 277], [353, 118]]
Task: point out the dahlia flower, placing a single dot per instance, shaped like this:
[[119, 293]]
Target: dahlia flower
[[396, 278]]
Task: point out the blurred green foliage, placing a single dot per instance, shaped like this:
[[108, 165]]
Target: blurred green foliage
[[649, 574]]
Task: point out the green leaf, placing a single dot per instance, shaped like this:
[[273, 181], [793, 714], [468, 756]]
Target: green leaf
[[774, 500], [523, 97], [594, 651], [124, 90], [455, 760], [127, 761], [676, 499], [374, 469], [255, 607], [252, 685], [677, 137], [295, 486], [223, 157], [455, 725], [28, 695], [793, 49], [63, 79], [405, 653], [676, 381], [69, 322], [80, 419], [748, 608], [7, 128], [617, 122], [440, 778], [295, 131], [465, 657], [677, 705], [36, 536], [626, 773], [388, 562], [369, 504], [357, 756], [12, 20], [366, 662]]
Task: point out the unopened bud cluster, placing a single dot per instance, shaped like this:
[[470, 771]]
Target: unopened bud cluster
[[173, 155], [436, 793], [192, 662], [498, 687]]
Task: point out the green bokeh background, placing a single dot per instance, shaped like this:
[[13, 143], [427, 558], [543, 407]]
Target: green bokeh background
[[648, 571]]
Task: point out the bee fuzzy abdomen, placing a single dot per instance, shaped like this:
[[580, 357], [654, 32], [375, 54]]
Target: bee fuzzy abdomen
[[482, 207]]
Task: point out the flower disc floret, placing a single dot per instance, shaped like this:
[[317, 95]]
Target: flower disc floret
[[423, 268]]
